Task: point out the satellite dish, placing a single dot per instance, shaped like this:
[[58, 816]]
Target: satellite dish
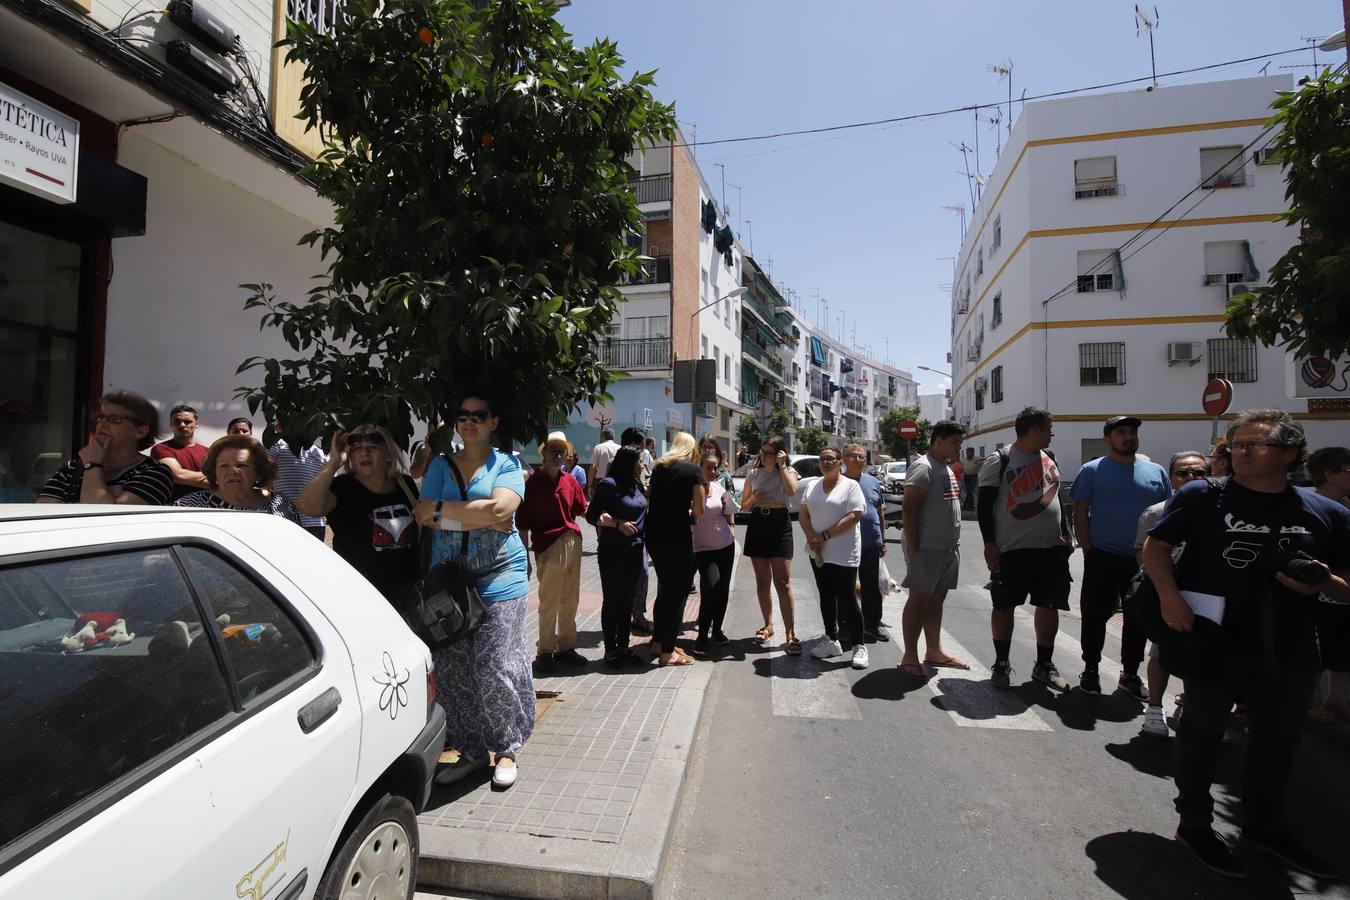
[[981, 180], [1335, 42]]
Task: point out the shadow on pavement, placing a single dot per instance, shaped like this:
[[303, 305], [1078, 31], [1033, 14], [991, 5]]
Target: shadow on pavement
[[1149, 755], [1141, 866], [1082, 711], [886, 684]]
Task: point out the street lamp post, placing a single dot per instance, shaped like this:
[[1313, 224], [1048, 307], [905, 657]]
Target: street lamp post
[[935, 371], [693, 404]]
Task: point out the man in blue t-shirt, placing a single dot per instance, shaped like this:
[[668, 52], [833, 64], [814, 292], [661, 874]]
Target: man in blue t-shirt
[[873, 527], [1110, 493], [1233, 590]]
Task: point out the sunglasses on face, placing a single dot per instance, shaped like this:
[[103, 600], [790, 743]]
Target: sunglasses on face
[[114, 419], [370, 438], [1191, 473], [829, 460], [479, 416]]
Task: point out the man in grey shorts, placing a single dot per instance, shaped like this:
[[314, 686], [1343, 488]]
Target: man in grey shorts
[[932, 531]]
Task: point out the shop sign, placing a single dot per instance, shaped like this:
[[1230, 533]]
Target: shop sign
[[1320, 376], [39, 147]]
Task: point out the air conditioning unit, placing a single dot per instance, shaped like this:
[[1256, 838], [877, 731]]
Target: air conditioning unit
[[1237, 287], [963, 305], [705, 410], [949, 356], [981, 384], [973, 353], [1265, 157], [1185, 352]]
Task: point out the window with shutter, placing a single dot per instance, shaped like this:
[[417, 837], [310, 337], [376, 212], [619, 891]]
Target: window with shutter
[[1222, 167]]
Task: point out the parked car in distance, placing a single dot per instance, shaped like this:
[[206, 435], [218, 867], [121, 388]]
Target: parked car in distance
[[893, 477], [807, 466], [203, 703]]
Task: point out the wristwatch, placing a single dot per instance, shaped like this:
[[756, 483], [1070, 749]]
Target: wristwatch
[[436, 512], [87, 466]]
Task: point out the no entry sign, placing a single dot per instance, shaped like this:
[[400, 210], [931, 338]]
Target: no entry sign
[[909, 429], [1217, 397]]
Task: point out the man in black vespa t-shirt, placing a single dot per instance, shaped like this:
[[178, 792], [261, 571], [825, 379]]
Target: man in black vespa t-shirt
[[1244, 539]]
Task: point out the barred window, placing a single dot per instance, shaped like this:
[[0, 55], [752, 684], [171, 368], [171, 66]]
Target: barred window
[[996, 384], [979, 399], [997, 240], [321, 15], [1232, 358], [1102, 363], [996, 316]]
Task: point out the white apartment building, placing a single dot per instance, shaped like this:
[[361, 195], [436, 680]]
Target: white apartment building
[[1046, 311]]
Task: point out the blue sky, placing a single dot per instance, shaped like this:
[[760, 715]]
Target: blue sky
[[858, 216]]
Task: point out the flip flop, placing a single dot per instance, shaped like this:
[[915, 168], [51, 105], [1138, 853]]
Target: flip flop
[[676, 659], [951, 662], [914, 670]]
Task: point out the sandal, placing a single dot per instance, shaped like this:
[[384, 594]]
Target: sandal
[[793, 647], [950, 662], [914, 670], [676, 659], [765, 634]]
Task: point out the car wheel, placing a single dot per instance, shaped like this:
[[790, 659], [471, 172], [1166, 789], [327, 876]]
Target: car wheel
[[379, 857]]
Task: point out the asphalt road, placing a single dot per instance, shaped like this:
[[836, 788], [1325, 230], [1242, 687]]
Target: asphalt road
[[812, 779]]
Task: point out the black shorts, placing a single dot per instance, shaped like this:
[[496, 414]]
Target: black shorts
[[1041, 573], [769, 534]]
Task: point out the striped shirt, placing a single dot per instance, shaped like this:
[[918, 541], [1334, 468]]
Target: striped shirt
[[146, 479], [293, 474], [274, 503]]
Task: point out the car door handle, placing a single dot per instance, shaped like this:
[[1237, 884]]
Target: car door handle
[[319, 710]]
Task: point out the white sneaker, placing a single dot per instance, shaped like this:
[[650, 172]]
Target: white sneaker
[[826, 648], [860, 657], [1155, 724]]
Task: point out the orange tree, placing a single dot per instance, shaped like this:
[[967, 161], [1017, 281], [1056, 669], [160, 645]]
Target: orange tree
[[475, 163]]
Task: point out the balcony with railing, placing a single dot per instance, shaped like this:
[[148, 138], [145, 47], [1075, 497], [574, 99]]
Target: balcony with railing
[[638, 353], [762, 355], [651, 188], [655, 270], [819, 392]]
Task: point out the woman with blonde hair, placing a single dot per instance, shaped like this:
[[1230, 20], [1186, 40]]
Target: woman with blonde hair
[[240, 472], [369, 506], [677, 495]]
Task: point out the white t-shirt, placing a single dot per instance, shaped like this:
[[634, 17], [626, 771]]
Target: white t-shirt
[[601, 458], [826, 509]]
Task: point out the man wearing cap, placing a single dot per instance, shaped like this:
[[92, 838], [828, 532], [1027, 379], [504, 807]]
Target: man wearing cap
[[546, 519], [1110, 494]]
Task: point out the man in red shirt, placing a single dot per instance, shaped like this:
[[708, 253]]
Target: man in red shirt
[[181, 454], [546, 519]]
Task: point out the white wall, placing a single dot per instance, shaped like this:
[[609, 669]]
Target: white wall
[[177, 328], [722, 328]]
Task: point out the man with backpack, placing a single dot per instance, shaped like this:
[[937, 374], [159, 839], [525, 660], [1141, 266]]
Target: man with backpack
[[1242, 603], [1026, 543]]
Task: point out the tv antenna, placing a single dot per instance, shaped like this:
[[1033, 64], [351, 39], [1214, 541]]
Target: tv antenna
[[1312, 43], [965, 156], [1003, 71], [1143, 22], [960, 209]]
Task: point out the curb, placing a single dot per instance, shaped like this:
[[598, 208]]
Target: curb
[[542, 868]]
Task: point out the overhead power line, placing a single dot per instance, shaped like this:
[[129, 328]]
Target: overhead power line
[[978, 106]]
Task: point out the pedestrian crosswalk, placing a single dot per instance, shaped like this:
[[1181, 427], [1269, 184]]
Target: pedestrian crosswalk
[[804, 687]]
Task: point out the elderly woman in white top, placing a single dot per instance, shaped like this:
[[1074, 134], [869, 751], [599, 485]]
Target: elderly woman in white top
[[829, 518]]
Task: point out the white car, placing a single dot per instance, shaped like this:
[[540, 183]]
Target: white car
[[807, 466], [893, 477], [203, 703]]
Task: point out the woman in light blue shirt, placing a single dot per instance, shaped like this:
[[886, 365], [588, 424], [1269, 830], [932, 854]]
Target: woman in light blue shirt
[[484, 682]]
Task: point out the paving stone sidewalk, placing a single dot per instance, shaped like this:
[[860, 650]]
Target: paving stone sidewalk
[[599, 778]]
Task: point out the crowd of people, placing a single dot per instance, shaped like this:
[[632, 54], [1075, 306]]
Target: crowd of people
[[1250, 571]]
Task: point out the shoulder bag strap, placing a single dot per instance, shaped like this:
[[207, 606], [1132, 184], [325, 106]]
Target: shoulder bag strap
[[464, 495]]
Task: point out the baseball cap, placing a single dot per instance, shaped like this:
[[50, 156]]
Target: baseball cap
[[1120, 421]]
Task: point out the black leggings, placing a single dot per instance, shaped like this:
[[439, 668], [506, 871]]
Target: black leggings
[[621, 569], [674, 572], [714, 569]]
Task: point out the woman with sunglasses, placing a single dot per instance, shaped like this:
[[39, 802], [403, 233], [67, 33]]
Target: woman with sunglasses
[[484, 682], [768, 537], [618, 510], [677, 494], [831, 510], [369, 506]]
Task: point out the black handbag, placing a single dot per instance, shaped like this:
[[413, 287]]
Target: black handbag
[[447, 607]]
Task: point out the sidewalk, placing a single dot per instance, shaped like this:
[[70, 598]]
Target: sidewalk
[[600, 779]]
